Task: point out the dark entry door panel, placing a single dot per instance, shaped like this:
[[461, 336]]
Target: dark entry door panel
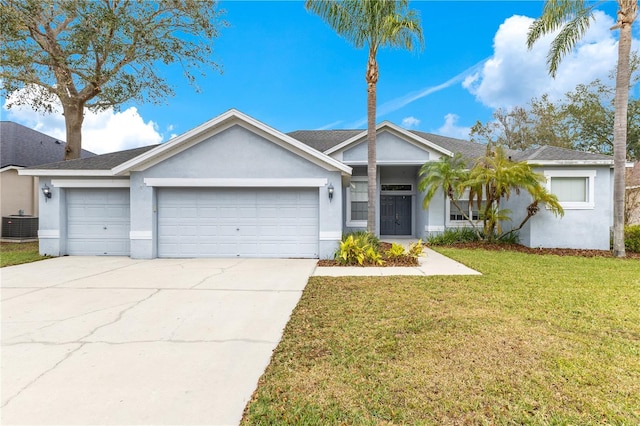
[[395, 215]]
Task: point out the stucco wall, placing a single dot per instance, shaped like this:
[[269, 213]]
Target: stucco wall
[[579, 228], [18, 193], [389, 148]]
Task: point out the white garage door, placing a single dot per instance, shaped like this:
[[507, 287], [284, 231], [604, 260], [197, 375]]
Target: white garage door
[[206, 222], [98, 222]]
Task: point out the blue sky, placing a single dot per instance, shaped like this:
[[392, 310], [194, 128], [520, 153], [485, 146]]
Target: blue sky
[[288, 69]]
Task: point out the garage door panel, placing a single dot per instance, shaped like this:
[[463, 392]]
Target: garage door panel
[[98, 221], [238, 222]]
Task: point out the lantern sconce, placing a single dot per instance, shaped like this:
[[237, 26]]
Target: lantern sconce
[[330, 191], [46, 191]]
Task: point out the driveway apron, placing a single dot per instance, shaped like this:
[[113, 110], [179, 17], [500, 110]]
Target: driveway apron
[[113, 340]]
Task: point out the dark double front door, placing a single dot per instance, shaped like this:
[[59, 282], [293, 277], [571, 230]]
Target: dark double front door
[[395, 215]]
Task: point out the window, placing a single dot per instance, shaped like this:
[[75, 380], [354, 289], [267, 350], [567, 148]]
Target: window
[[397, 187], [357, 200], [574, 188], [471, 211]]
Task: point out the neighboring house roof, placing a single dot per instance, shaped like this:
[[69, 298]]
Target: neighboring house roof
[[21, 146]]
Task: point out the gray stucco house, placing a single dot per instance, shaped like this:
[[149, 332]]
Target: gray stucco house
[[236, 187]]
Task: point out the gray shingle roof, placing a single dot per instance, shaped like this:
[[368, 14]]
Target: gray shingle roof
[[21, 146], [322, 140], [553, 153], [98, 162]]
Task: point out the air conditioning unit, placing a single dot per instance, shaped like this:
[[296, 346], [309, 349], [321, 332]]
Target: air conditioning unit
[[20, 227]]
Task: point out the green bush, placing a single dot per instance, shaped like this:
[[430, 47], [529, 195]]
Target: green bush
[[395, 252], [453, 236], [632, 238]]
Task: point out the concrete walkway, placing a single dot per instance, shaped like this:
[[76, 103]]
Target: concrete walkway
[[111, 340], [430, 263]]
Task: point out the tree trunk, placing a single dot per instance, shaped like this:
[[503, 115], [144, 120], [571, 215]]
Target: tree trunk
[[73, 118], [372, 79], [620, 129]]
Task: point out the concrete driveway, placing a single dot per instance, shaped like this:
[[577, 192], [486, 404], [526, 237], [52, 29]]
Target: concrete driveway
[[112, 340]]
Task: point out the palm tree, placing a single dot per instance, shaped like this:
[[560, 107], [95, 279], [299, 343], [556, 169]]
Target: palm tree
[[373, 23], [573, 17], [492, 179]]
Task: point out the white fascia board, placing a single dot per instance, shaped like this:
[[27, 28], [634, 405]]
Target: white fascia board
[[237, 183], [90, 183], [7, 168], [405, 134], [570, 163], [60, 172], [219, 124]]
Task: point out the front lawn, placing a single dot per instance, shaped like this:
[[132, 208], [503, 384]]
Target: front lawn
[[538, 339], [17, 253]]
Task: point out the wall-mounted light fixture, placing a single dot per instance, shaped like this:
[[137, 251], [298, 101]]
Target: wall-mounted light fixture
[[330, 190], [46, 191]]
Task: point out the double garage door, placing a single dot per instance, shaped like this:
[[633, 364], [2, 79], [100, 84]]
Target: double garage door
[[231, 222]]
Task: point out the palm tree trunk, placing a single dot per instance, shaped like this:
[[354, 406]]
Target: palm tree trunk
[[73, 118], [620, 125], [372, 80]]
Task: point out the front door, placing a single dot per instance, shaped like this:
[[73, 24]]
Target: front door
[[395, 215]]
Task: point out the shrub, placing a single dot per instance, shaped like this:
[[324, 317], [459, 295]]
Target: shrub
[[366, 237], [632, 238], [509, 238], [453, 236], [359, 248], [395, 252], [416, 249]]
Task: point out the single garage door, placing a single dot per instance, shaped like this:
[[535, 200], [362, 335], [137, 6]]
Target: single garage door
[[98, 222], [230, 222]]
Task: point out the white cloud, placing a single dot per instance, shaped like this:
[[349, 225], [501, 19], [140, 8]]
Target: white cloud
[[514, 74], [410, 122], [102, 132], [451, 129]]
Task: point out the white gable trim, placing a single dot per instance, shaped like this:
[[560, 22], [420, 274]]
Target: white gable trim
[[570, 162], [219, 124], [386, 125], [7, 168], [236, 183]]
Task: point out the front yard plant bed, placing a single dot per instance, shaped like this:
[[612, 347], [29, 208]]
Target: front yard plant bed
[[535, 340], [532, 250], [404, 260]]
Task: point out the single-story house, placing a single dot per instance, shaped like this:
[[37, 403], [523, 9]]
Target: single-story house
[[235, 186], [22, 147]]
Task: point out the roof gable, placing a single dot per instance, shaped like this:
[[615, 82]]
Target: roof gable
[[219, 124]]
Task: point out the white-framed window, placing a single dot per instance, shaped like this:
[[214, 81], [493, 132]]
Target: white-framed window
[[574, 188], [456, 217], [357, 202]]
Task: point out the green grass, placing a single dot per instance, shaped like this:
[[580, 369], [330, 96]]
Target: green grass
[[535, 340], [17, 253]]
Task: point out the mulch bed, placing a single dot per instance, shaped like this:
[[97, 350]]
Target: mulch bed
[[402, 261], [531, 250], [410, 261]]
